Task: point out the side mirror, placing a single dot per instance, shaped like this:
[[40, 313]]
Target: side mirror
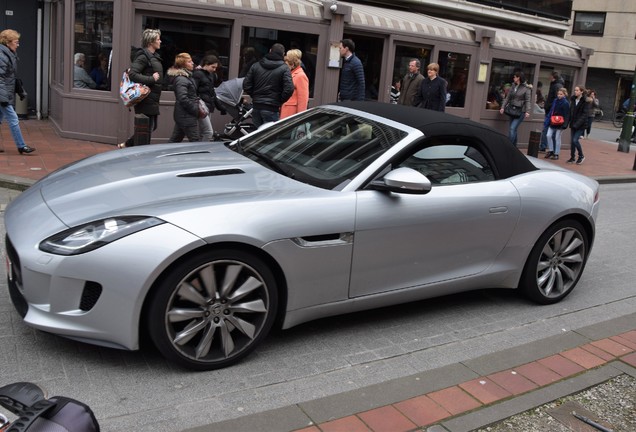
[[402, 180]]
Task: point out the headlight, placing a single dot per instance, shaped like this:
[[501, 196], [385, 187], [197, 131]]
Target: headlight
[[93, 235]]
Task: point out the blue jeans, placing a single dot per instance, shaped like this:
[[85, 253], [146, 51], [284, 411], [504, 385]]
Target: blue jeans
[[576, 144], [544, 138], [554, 139], [14, 124], [512, 131], [260, 117]]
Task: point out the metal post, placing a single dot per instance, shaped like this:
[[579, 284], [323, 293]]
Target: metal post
[[628, 122]]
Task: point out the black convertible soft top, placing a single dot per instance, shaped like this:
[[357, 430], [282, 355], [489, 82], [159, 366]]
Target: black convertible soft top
[[508, 159]]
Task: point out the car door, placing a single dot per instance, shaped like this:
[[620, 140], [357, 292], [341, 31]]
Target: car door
[[454, 231]]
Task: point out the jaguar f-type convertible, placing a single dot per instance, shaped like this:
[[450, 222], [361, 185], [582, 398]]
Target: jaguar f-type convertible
[[344, 207]]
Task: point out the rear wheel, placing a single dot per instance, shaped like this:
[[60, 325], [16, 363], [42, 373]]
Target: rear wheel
[[213, 309], [556, 262]]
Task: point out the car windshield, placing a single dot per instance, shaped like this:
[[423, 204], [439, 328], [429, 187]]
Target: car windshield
[[323, 147]]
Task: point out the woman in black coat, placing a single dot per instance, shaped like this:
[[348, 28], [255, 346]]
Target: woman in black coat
[[205, 78], [579, 112], [186, 107], [147, 68]]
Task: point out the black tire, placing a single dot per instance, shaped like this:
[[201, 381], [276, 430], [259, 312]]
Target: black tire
[[213, 309], [556, 263]]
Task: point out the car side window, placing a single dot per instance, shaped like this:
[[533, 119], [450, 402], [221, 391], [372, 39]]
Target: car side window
[[447, 162]]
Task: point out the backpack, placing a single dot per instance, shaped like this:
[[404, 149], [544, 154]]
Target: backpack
[[131, 93], [37, 414]]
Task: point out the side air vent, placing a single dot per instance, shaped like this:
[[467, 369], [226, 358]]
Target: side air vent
[[90, 295], [213, 173]]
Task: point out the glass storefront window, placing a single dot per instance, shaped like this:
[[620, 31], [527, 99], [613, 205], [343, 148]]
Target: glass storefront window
[[257, 41], [501, 73], [93, 44], [193, 37], [454, 68], [369, 50]]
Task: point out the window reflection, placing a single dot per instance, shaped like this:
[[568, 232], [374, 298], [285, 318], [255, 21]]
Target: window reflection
[[93, 44], [454, 68]]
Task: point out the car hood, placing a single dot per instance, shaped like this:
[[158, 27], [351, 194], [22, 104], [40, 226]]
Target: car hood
[[157, 179]]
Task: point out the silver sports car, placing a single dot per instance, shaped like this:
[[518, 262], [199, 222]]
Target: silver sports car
[[344, 207]]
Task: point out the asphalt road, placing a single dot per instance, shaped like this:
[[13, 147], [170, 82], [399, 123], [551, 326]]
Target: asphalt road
[[139, 391]]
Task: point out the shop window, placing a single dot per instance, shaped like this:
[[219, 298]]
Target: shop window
[[196, 38], [589, 23], [566, 75], [501, 74], [404, 55], [257, 41], [93, 44], [454, 68]]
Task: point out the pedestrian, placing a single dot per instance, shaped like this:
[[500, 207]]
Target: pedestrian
[[595, 106], [556, 82], [248, 59], [147, 68], [352, 86], [81, 78], [411, 84], [9, 43], [394, 93], [432, 91], [186, 107], [579, 113], [559, 107], [299, 99], [517, 104], [205, 79], [269, 84]]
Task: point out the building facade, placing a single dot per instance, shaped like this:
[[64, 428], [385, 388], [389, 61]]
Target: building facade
[[609, 28], [477, 60]]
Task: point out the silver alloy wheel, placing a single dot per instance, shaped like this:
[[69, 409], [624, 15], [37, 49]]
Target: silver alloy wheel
[[217, 311], [561, 262]]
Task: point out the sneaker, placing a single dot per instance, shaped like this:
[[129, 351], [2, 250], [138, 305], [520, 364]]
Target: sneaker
[[548, 154], [580, 160], [571, 160], [554, 157]]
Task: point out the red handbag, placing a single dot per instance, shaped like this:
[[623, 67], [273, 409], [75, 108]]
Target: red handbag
[[557, 120]]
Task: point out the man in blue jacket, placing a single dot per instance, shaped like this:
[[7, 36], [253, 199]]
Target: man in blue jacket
[[352, 74]]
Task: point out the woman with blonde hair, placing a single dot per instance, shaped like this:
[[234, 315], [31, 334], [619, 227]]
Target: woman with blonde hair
[[300, 98], [9, 43], [186, 108]]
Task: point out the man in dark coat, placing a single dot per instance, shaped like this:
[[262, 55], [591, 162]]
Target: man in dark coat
[[147, 68], [432, 94], [411, 84], [352, 84], [269, 83]]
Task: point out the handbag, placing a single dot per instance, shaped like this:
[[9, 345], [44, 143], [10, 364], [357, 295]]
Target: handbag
[[130, 92], [512, 110], [556, 120], [203, 109]]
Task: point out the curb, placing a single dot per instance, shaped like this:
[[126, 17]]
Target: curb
[[343, 408]]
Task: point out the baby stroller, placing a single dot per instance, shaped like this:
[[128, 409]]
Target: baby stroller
[[229, 94]]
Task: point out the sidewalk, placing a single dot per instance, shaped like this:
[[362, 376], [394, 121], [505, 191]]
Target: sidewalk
[[461, 397]]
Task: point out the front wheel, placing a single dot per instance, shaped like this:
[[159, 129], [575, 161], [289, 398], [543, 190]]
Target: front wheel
[[618, 119], [213, 309], [556, 263]]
